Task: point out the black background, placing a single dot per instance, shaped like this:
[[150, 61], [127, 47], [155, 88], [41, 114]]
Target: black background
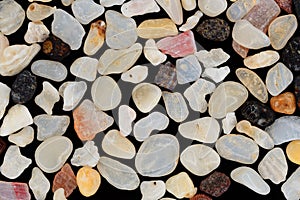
[[236, 190]]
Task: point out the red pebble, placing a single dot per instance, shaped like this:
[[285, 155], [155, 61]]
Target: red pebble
[[285, 5], [216, 184], [14, 191], [200, 197], [65, 179], [178, 46]]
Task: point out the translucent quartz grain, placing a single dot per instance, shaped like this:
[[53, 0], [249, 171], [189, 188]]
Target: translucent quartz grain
[[146, 96], [47, 98], [157, 156], [15, 58], [95, 37], [139, 7], [212, 58], [59, 194], [284, 129], [136, 74], [67, 28], [175, 106], [157, 28], [87, 155], [152, 54], [191, 21], [281, 30], [115, 144], [239, 9], [274, 166], [106, 93], [86, 11], [109, 3], [196, 93], [12, 16], [72, 92], [262, 59], [39, 184], [117, 174], [212, 8], [4, 95], [205, 129], [152, 190], [229, 122], [233, 94], [144, 127], [23, 137], [88, 181], [50, 125], [14, 163], [85, 68], [49, 69], [181, 186], [37, 12], [17, 117], [237, 148], [253, 83], [14, 190], [288, 188], [126, 116], [200, 159], [90, 120], [251, 179], [173, 9], [216, 74], [121, 31], [3, 42], [247, 35], [278, 79], [52, 153], [188, 69], [189, 5], [117, 61], [292, 150], [36, 32]]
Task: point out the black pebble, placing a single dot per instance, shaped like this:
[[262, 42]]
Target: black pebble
[[297, 8], [23, 87], [55, 48], [291, 54], [297, 89]]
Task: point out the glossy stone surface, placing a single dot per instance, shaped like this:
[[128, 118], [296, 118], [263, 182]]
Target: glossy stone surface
[[39, 12], [90, 120], [86, 11], [212, 58], [152, 53], [253, 83], [188, 69], [95, 38], [239, 9], [257, 113], [138, 7], [47, 98], [233, 94], [237, 148], [49, 69], [173, 9], [216, 74], [215, 184], [200, 159], [126, 116], [106, 93], [145, 126], [146, 96], [175, 106], [262, 59], [290, 56], [152, 189], [14, 163], [136, 74], [284, 103], [115, 144], [278, 79], [292, 150], [191, 21], [65, 179], [23, 137], [14, 190], [23, 88], [166, 76], [157, 28], [178, 46], [284, 129], [288, 188], [50, 125], [147, 161], [36, 32], [88, 181], [216, 29], [251, 179], [52, 153], [117, 174], [39, 184], [55, 48], [67, 28], [87, 155], [121, 31], [85, 68], [212, 8], [274, 166], [117, 61]]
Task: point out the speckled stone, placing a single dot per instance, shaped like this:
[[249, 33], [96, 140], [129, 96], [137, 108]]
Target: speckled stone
[[23, 87], [284, 103], [290, 54], [55, 48], [297, 8], [215, 184], [200, 197], [297, 90], [2, 146], [166, 76], [257, 113], [285, 5], [214, 29]]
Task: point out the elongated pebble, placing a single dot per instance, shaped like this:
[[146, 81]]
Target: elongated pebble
[[175, 106], [237, 148], [126, 116], [39, 184], [173, 9], [200, 159], [47, 98], [95, 38], [52, 153], [23, 137], [38, 12], [212, 8], [52, 70], [288, 188], [139, 7], [88, 155], [152, 189], [262, 59], [274, 166], [86, 11], [136, 74], [117, 174], [253, 83], [191, 21], [85, 67], [251, 179]]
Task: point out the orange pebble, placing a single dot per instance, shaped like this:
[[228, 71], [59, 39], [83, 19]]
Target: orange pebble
[[88, 181], [284, 103], [292, 151]]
